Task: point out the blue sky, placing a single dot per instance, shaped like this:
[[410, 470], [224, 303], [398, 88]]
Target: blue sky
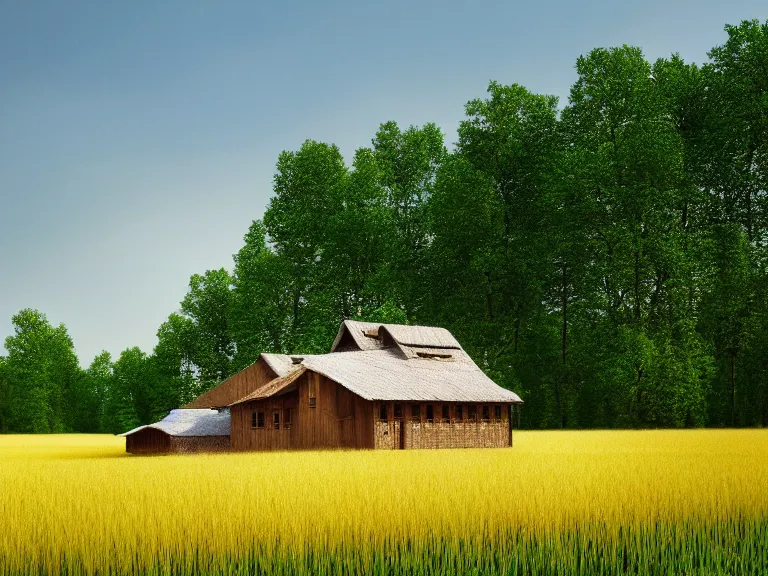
[[138, 140]]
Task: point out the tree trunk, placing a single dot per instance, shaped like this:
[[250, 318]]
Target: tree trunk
[[637, 287], [489, 297], [563, 342], [732, 356], [564, 306]]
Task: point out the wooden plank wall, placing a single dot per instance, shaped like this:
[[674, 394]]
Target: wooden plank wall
[[494, 433], [244, 437], [340, 419], [236, 386], [147, 441]]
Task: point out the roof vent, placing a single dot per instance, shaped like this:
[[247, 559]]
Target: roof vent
[[297, 359], [434, 355]]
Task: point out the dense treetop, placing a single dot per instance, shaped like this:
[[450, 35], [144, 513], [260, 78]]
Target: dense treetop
[[607, 259]]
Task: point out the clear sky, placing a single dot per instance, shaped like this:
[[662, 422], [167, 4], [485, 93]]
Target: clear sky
[[138, 140]]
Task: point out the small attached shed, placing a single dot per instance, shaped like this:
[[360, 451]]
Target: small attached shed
[[182, 431]]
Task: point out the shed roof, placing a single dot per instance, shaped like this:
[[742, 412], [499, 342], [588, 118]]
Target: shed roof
[[191, 422]]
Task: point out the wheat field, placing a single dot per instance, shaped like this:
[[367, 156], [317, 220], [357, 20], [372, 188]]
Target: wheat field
[[597, 502]]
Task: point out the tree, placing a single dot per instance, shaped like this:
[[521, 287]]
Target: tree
[[407, 162], [309, 188], [207, 306], [41, 372], [97, 381], [129, 401], [261, 305]]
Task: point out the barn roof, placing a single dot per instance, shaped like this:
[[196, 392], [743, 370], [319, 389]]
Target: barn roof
[[386, 375], [363, 333], [446, 375], [281, 364], [191, 422], [274, 386]]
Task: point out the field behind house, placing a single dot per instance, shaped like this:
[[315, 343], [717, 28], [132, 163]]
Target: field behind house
[[645, 502]]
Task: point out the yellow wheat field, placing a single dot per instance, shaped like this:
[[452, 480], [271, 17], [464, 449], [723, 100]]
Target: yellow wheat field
[[83, 497]]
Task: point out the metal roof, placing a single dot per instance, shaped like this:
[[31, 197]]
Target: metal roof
[[191, 422]]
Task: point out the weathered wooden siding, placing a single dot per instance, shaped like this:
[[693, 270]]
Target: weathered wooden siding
[[194, 444], [339, 419], [244, 437], [235, 387], [450, 433], [148, 441]]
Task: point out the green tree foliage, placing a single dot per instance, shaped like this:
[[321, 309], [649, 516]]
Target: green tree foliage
[[261, 307], [606, 259], [41, 376]]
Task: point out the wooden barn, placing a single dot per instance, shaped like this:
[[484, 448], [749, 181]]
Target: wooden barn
[[383, 386]]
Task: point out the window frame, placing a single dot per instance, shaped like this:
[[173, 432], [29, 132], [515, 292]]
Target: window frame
[[445, 415], [430, 411], [472, 413], [459, 413], [258, 416], [312, 391], [497, 413], [383, 412], [276, 420], [416, 412], [486, 413]]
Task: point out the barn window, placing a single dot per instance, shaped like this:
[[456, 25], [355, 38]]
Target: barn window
[[398, 412], [459, 412], [257, 419], [312, 391], [486, 413], [276, 420], [383, 412], [416, 412], [287, 419], [430, 413], [497, 413], [472, 412], [446, 416]]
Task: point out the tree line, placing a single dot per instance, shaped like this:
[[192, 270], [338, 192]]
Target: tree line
[[607, 260]]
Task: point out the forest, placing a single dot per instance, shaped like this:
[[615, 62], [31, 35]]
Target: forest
[[605, 258]]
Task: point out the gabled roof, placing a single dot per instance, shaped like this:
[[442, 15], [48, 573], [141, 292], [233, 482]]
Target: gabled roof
[[357, 331], [373, 336], [281, 364], [273, 387], [191, 422]]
